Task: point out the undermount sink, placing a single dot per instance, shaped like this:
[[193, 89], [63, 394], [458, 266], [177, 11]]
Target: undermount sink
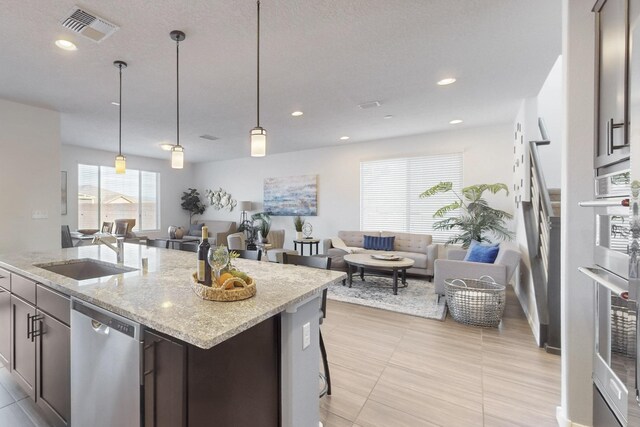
[[83, 269]]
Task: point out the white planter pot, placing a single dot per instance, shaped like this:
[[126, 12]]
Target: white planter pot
[[299, 235]]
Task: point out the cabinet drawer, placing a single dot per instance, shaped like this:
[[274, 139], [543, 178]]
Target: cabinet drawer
[[54, 303], [24, 288], [5, 279]]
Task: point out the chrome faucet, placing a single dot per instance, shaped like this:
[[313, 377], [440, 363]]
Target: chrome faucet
[[108, 240]]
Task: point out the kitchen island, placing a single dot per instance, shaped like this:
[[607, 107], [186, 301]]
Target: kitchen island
[[238, 363]]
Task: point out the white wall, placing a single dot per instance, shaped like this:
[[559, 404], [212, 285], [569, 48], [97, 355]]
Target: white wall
[[29, 177], [577, 223], [487, 159], [551, 108], [172, 183]]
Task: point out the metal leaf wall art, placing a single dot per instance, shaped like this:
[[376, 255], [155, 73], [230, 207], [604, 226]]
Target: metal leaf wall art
[[220, 199]]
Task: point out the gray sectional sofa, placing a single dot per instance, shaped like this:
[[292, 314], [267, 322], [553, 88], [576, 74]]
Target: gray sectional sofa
[[418, 247]]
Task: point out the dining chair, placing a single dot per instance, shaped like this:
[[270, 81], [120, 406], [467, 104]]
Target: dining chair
[[67, 242], [106, 227], [158, 243], [322, 262], [253, 255]]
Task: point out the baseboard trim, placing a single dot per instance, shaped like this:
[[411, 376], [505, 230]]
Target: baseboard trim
[[535, 326], [564, 421]]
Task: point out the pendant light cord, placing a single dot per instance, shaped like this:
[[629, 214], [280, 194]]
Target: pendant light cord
[[258, 69], [120, 112], [178, 93]]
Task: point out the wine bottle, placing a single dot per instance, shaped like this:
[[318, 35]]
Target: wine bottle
[[204, 269]]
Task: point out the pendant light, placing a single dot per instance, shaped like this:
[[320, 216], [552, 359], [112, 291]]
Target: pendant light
[[121, 161], [258, 134], [177, 151]]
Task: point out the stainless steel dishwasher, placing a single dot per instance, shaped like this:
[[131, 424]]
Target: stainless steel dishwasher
[[105, 368]]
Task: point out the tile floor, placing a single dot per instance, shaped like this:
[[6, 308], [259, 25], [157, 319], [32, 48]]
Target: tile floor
[[16, 408], [391, 369]]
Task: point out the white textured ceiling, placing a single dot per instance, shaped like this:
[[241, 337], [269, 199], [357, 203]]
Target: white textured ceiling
[[322, 57]]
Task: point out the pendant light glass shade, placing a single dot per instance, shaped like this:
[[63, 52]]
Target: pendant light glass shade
[[121, 162], [177, 157], [258, 133], [258, 142], [177, 152]]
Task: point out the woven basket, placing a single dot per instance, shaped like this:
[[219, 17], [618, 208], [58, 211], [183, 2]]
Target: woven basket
[[478, 302], [219, 293]]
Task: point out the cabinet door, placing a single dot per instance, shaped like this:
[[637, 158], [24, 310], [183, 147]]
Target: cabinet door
[[53, 368], [23, 353], [164, 382], [612, 122], [5, 326]]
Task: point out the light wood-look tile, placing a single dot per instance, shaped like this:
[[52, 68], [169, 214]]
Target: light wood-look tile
[[377, 414], [390, 369]]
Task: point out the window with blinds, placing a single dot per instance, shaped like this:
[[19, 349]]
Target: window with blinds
[[390, 193], [104, 196]]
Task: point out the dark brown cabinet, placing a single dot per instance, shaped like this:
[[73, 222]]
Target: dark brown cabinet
[[37, 340], [612, 32], [164, 382], [5, 326], [23, 354], [53, 371]]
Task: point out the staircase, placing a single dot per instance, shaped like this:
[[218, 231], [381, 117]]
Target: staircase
[[542, 227]]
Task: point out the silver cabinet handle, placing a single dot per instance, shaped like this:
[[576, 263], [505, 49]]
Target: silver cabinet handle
[[593, 273]]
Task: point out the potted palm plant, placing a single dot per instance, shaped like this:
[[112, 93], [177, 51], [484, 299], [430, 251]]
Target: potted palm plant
[[475, 219], [298, 223]]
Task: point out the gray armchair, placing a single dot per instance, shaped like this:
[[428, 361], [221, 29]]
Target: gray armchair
[[454, 267]]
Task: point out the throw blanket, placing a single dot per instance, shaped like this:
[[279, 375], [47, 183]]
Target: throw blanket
[[338, 243]]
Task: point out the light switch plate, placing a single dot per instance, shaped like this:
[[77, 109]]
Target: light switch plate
[[39, 214], [306, 335]]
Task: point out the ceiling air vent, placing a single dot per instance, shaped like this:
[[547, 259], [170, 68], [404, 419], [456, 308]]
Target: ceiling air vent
[[209, 137], [367, 105], [88, 25]]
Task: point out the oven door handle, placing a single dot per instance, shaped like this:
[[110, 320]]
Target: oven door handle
[[604, 203], [594, 274]]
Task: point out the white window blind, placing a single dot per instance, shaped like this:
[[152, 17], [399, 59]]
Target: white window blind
[[104, 195], [390, 193]]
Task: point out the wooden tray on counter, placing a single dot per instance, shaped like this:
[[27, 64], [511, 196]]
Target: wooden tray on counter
[[212, 293]]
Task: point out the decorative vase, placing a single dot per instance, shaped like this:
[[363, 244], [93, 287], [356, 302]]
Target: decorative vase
[[172, 232], [179, 233], [299, 235], [262, 239]]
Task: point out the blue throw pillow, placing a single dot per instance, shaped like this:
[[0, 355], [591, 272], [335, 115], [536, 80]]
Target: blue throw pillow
[[379, 243], [479, 252], [195, 229]]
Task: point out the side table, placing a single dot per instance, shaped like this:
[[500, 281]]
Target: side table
[[303, 242]]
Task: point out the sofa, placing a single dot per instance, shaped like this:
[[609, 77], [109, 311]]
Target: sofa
[[218, 231], [418, 247], [454, 267]]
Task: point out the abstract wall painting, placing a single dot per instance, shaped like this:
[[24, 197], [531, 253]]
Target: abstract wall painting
[[291, 195]]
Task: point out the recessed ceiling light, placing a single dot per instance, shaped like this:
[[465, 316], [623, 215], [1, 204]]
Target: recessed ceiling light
[[66, 45], [455, 122], [446, 81], [166, 147], [297, 113], [117, 104], [388, 116], [344, 138]]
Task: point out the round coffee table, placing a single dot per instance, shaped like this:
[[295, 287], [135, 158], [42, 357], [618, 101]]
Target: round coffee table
[[365, 261]]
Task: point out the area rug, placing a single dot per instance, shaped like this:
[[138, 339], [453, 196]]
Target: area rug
[[417, 299]]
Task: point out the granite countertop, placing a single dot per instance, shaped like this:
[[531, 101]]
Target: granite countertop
[[162, 298]]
